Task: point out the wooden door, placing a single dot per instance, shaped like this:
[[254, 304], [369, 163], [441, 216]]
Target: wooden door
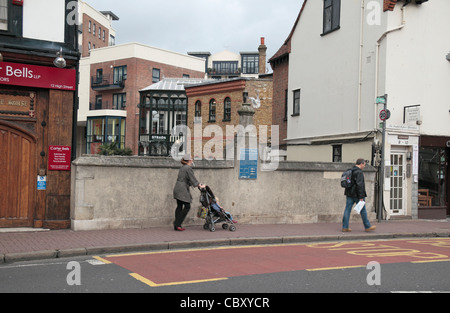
[[18, 182]]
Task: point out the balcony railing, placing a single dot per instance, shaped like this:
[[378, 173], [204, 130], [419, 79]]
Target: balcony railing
[[105, 105], [107, 82]]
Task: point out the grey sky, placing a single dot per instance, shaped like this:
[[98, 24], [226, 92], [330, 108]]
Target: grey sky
[[203, 25]]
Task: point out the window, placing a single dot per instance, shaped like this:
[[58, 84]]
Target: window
[[120, 74], [119, 101], [93, 29], [250, 64], [433, 176], [98, 102], [102, 130], [227, 109], [212, 110], [198, 112], [99, 32], [156, 75], [337, 153], [225, 67], [99, 76], [296, 108], [4, 15], [180, 118], [90, 26], [112, 40], [103, 35], [331, 15]]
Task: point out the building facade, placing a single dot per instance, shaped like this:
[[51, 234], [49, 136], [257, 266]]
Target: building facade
[[96, 29], [38, 71], [213, 107], [228, 65], [345, 56], [111, 78]]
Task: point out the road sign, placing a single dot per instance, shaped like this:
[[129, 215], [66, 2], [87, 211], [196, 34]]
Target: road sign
[[381, 100], [385, 115]]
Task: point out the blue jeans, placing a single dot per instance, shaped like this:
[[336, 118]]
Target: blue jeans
[[348, 210]]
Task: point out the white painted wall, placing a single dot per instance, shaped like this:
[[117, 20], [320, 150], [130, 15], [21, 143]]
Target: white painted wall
[[417, 71], [39, 24]]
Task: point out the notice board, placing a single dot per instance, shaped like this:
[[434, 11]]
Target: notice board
[[248, 164], [59, 158]]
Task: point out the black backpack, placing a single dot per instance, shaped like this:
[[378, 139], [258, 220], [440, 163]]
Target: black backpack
[[346, 179]]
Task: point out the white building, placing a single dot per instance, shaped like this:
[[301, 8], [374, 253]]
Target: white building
[[344, 54], [227, 64]]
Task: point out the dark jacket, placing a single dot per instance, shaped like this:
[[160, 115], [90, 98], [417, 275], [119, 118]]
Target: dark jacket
[[358, 188], [185, 180]]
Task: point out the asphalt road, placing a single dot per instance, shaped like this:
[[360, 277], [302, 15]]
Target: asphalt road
[[415, 265]]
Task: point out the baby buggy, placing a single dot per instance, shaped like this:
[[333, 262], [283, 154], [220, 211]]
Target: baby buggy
[[214, 213]]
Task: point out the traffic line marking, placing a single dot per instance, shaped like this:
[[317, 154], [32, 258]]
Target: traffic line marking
[[152, 284], [431, 261], [102, 260], [333, 268]]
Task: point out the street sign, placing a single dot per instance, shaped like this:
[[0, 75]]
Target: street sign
[[385, 115], [381, 100]]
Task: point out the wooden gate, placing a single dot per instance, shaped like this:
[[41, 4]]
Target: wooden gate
[[18, 182]]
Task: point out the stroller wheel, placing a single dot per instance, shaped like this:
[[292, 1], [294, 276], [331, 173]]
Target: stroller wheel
[[206, 226], [212, 228], [225, 226], [232, 228]]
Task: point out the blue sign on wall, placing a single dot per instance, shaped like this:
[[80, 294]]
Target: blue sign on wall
[[248, 164]]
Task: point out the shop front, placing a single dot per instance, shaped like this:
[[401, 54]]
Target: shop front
[[36, 118]]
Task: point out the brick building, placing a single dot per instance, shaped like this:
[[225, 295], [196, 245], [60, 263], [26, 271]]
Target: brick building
[[111, 78], [95, 30], [280, 66], [217, 103]]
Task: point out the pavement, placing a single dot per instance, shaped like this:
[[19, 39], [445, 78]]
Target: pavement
[[31, 244]]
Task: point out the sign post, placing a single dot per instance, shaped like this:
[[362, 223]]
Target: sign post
[[383, 116]]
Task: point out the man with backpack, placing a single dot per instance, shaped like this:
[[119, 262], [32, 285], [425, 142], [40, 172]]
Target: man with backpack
[[355, 190]]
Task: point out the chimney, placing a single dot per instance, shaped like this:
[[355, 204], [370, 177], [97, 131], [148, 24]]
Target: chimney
[[262, 49]]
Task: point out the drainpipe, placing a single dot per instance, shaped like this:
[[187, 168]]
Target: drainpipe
[[361, 45], [377, 52]]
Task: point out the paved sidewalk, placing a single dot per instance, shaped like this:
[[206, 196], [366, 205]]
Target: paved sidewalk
[[33, 245]]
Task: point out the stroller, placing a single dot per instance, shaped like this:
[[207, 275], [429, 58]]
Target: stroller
[[214, 214]]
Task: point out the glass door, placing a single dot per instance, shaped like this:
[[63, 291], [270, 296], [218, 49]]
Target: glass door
[[398, 183]]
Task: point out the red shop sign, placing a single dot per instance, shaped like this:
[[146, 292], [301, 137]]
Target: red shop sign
[[59, 158], [37, 76]]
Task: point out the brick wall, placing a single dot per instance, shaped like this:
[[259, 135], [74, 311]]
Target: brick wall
[[219, 92], [89, 36], [280, 86]]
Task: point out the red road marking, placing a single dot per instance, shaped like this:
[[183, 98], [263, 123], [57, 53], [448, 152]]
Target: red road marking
[[186, 266]]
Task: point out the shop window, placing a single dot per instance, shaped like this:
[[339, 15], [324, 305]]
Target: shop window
[[432, 176], [104, 130]]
